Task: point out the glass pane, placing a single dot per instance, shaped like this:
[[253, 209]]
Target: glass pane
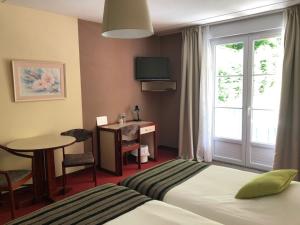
[[229, 59], [266, 57], [266, 92], [228, 123], [229, 91], [264, 126]]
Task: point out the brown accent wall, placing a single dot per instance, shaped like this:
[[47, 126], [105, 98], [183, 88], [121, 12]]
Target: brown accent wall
[[108, 84], [170, 46], [107, 75]]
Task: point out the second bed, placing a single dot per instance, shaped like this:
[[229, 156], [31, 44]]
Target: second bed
[[210, 191]]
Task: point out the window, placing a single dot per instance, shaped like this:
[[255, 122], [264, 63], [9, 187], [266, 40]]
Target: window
[[228, 91], [247, 96], [266, 83]]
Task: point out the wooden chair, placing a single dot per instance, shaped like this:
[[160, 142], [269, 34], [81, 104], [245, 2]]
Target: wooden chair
[[82, 159], [11, 180], [131, 141]]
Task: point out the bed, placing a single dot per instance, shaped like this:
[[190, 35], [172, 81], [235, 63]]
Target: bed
[[209, 191], [111, 205]]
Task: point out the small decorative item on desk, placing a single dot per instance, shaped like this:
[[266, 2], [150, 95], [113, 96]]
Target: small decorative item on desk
[[122, 119], [137, 113]]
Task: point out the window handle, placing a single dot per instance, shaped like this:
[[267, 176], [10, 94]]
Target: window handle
[[249, 111]]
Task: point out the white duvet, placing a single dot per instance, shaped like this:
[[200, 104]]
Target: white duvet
[[211, 194], [160, 213]]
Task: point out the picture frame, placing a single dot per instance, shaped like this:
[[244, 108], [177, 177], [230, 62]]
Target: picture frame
[[38, 80]]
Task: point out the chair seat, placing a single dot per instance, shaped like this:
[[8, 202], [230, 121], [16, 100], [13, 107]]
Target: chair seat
[[128, 146], [78, 159], [15, 176]]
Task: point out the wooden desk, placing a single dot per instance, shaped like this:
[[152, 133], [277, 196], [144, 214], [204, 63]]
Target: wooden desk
[[42, 148], [109, 144]]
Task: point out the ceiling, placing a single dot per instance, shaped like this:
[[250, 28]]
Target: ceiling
[[167, 15]]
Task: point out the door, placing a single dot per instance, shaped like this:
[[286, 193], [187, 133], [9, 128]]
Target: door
[[247, 93], [229, 103], [263, 99]]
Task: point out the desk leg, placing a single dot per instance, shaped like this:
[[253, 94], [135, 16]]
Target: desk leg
[[50, 174], [98, 147], [155, 146], [118, 154], [39, 179]]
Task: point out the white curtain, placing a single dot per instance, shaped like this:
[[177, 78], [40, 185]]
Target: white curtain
[[206, 98], [195, 125]]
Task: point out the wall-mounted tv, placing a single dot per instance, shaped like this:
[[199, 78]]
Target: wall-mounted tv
[[152, 68]]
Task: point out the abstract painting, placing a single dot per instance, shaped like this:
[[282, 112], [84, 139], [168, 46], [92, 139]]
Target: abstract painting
[[38, 80]]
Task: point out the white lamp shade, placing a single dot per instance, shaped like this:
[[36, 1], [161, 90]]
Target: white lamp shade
[[126, 19]]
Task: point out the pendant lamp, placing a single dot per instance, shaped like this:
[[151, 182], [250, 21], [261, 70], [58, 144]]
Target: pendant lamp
[[126, 19]]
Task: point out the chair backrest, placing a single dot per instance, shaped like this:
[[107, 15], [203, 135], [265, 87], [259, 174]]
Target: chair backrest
[[79, 134], [101, 120], [130, 132]]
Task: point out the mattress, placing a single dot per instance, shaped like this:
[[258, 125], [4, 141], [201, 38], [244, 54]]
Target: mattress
[[211, 194], [211, 191], [112, 205]]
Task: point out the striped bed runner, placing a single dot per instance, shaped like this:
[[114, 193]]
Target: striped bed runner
[[95, 206], [157, 181]]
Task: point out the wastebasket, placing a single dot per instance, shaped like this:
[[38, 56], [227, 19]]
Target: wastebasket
[[144, 153]]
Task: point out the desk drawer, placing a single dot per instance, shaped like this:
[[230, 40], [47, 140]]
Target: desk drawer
[[149, 129]]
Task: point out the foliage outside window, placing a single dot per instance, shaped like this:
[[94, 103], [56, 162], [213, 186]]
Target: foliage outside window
[[230, 85]]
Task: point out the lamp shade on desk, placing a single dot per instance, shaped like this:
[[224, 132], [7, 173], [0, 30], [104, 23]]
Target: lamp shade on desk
[[126, 19]]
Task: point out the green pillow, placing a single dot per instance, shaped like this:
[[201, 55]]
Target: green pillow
[[269, 183]]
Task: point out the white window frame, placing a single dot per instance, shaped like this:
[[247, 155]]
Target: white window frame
[[245, 141]]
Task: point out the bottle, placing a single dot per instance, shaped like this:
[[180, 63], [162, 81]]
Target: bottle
[[122, 119]]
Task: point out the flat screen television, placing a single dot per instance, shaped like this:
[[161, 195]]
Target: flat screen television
[[152, 68]]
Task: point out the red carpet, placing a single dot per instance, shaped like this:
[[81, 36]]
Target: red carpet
[[81, 181]]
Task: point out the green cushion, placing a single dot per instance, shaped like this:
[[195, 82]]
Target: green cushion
[[269, 183]]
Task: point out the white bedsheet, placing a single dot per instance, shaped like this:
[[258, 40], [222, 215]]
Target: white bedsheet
[[160, 213], [211, 194]]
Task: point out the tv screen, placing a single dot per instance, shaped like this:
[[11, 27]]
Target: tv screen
[[152, 68]]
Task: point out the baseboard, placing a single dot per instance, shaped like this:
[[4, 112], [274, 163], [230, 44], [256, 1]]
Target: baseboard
[[168, 148]]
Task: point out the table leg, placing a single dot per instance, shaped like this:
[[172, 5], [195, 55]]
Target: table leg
[[38, 177], [50, 175]]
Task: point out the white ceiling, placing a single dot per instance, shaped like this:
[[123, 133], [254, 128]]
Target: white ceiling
[[166, 14]]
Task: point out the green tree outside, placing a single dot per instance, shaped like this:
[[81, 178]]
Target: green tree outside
[[227, 82]]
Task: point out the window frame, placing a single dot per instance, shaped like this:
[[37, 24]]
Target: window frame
[[245, 157]]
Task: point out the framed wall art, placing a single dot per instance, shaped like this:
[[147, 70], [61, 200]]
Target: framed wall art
[[38, 80]]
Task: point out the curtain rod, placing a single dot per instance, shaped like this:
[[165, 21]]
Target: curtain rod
[[270, 12], [179, 29]]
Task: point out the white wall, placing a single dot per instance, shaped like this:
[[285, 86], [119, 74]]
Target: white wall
[[246, 26]]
